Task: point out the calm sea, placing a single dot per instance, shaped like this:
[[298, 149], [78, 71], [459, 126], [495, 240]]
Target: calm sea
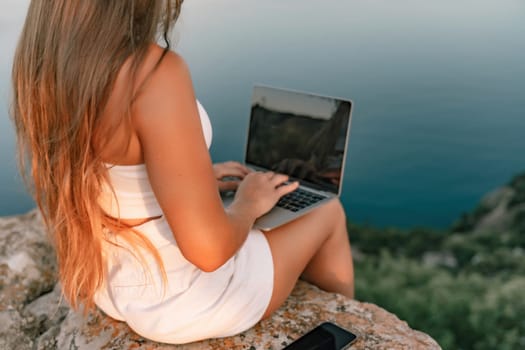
[[438, 89]]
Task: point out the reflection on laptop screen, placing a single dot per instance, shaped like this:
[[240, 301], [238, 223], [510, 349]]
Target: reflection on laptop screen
[[299, 134]]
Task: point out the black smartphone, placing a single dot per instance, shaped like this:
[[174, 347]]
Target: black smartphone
[[326, 336]]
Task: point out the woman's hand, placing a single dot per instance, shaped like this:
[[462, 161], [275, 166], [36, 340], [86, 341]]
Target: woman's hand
[[229, 170], [259, 192]]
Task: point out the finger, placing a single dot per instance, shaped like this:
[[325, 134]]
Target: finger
[[278, 179], [217, 170], [235, 165], [245, 169], [269, 174], [242, 169], [234, 172], [285, 189], [221, 170], [228, 185]]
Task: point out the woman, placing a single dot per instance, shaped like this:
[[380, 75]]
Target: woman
[[118, 150]]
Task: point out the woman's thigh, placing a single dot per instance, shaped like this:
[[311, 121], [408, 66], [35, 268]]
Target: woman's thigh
[[294, 244]]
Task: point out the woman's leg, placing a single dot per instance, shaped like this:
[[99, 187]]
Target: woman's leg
[[316, 247]]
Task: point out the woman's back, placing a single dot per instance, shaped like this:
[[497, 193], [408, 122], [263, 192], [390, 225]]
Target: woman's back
[[129, 195], [125, 148]]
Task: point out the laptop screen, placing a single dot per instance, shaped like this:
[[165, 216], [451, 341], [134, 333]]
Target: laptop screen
[[299, 134]]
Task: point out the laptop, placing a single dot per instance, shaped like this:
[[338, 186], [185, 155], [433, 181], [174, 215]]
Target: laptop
[[304, 136]]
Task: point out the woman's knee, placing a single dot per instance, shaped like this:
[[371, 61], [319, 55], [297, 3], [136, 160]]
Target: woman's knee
[[333, 210], [338, 207]]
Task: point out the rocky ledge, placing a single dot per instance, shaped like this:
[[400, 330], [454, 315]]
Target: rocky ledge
[[34, 316]]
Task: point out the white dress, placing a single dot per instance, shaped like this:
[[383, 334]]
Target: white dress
[[194, 305]]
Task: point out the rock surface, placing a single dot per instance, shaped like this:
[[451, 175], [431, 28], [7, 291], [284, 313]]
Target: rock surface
[[33, 316]]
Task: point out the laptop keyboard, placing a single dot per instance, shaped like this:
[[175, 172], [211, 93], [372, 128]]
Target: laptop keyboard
[[298, 199]]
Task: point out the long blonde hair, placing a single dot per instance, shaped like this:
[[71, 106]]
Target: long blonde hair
[[65, 67]]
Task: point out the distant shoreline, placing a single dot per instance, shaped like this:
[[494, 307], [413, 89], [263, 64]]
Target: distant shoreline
[[512, 192]]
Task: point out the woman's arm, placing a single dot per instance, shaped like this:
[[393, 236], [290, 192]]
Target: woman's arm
[[166, 120]]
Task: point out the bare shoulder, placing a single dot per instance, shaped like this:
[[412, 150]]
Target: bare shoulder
[[165, 70], [161, 62], [165, 86], [162, 86]]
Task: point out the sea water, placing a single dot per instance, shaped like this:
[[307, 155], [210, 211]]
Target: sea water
[[438, 91]]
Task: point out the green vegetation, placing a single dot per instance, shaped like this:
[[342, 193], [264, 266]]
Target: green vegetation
[[466, 289], [518, 184]]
